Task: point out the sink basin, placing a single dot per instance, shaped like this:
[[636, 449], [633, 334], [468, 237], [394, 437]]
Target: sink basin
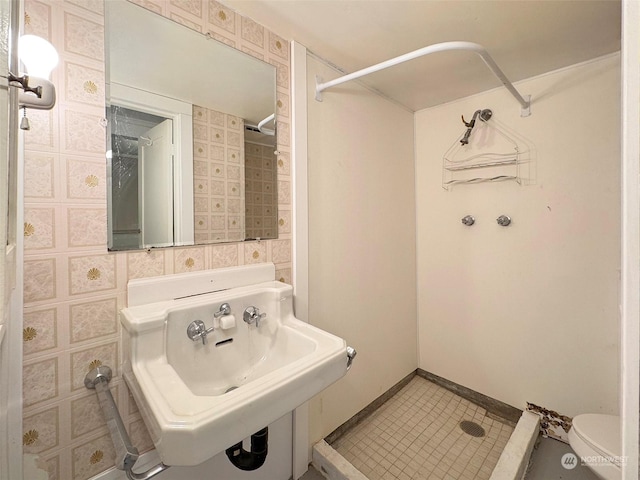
[[199, 399]]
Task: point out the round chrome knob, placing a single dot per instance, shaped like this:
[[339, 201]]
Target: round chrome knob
[[468, 220], [503, 220]]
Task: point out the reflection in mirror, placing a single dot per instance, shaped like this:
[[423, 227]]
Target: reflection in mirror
[[191, 135], [138, 218]]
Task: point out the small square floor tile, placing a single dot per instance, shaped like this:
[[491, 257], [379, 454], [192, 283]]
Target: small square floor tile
[[417, 435]]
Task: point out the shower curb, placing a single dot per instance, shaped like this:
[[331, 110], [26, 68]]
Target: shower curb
[[333, 465], [513, 462]]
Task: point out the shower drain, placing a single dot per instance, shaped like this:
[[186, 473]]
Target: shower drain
[[472, 428]]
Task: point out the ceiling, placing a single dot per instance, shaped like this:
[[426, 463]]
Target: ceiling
[[525, 38]]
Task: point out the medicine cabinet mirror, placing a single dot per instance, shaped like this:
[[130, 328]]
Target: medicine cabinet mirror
[[190, 135]]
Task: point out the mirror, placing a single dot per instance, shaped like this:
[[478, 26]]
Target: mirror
[[191, 135]]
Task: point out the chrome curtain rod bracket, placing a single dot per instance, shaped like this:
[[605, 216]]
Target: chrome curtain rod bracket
[[525, 103], [126, 453]]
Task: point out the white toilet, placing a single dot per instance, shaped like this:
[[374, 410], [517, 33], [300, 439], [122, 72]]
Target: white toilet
[[596, 440]]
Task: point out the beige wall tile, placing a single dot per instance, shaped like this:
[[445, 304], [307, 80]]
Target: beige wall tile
[[283, 134], [225, 38], [255, 252], [39, 381], [278, 46], [284, 192], [37, 19], [95, 6], [215, 118], [140, 436], [92, 273], [199, 115], [282, 73], [145, 264], [92, 457], [39, 175], [85, 180], [43, 134], [200, 186], [83, 84], [39, 279], [87, 227], [132, 406], [83, 361], [284, 275], [40, 330], [40, 431], [252, 32], [39, 228], [189, 259], [192, 7], [281, 251], [83, 37], [223, 256], [282, 105], [251, 51], [93, 319], [86, 413], [284, 163], [83, 131], [221, 17], [52, 465]]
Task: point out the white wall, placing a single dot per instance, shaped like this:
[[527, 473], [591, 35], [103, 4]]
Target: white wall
[[630, 294], [361, 241], [528, 312]]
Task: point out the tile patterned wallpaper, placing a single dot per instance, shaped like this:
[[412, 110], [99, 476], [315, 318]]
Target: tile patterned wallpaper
[[74, 288], [218, 174], [260, 188]]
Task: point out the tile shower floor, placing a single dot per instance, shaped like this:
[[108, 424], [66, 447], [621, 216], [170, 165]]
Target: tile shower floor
[[416, 435]]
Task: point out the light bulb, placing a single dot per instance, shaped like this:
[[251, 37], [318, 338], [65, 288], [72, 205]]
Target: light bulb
[[38, 56]]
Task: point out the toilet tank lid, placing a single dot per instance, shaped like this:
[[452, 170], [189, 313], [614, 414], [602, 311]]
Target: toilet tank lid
[[600, 431]]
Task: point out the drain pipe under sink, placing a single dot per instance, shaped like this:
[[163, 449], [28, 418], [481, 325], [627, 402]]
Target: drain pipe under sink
[[255, 458], [259, 441]]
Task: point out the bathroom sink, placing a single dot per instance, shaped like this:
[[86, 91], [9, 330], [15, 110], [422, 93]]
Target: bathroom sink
[[196, 398]]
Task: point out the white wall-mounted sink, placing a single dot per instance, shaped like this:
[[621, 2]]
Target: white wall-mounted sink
[[196, 399]]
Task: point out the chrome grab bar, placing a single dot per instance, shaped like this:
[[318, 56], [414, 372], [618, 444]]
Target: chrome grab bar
[[126, 453]]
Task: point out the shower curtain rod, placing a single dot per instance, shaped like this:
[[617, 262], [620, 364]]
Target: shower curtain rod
[[438, 47]]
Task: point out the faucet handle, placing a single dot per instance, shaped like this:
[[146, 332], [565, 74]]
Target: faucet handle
[[197, 331], [253, 315], [225, 309]]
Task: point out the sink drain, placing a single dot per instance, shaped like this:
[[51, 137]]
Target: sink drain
[[472, 428]]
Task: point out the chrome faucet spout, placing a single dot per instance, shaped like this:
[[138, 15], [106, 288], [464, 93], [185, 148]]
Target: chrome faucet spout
[[225, 309]]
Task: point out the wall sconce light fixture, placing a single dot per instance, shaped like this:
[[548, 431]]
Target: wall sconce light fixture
[[39, 58]]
